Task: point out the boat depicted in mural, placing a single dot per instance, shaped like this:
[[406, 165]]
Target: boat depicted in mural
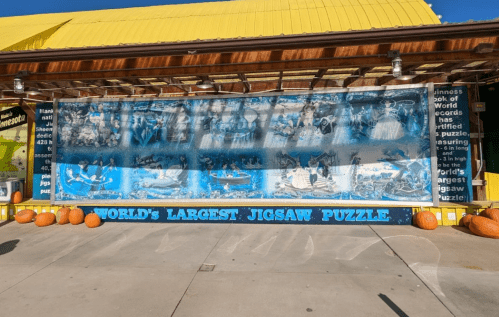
[[240, 179]]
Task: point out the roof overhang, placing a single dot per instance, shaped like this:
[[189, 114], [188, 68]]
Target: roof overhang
[[448, 53]]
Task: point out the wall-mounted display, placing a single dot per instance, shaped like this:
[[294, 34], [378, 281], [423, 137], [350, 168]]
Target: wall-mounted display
[[365, 145]]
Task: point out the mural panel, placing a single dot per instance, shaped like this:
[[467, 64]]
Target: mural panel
[[356, 144]]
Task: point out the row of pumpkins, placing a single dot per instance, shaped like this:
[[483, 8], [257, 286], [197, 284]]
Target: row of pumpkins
[[63, 216], [486, 224]]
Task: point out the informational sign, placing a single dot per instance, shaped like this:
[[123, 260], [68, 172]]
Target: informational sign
[[43, 151], [12, 117], [453, 144], [13, 140], [260, 215], [371, 145]]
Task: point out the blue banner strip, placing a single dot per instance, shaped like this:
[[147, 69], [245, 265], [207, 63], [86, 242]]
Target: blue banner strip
[[273, 215]]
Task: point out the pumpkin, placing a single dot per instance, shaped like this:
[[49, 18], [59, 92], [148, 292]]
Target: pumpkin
[[16, 197], [426, 220], [76, 216], [45, 219], [491, 213], [465, 221], [484, 227], [25, 216], [92, 220], [62, 216]]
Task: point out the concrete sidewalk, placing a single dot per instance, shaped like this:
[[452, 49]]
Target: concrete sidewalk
[[259, 270]]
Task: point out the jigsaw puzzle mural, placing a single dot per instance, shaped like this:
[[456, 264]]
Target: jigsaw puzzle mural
[[371, 145]]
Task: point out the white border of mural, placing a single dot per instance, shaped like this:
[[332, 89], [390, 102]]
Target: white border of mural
[[433, 201]]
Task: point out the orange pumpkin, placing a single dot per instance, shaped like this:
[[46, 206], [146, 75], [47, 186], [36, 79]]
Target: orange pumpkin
[[76, 216], [16, 197], [465, 221], [426, 220], [45, 219], [484, 227], [491, 213], [92, 220], [25, 216], [62, 216]]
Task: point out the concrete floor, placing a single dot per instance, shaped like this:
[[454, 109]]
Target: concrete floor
[[259, 270]]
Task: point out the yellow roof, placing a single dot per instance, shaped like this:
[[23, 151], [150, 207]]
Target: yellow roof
[[207, 21]]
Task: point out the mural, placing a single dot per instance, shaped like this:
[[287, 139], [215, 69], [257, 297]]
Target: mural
[[371, 145]]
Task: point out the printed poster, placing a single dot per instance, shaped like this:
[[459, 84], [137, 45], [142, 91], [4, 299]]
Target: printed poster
[[348, 145]]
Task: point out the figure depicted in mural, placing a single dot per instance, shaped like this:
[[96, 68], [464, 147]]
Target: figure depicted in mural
[[412, 123], [388, 126], [343, 131], [89, 126], [313, 165], [299, 178], [181, 125], [90, 180], [284, 125], [307, 116]]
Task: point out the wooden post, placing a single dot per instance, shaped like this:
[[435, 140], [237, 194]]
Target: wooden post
[[479, 192]]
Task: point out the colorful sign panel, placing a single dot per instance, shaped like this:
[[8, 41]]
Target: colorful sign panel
[[366, 145], [43, 151], [453, 144], [260, 215], [13, 143]]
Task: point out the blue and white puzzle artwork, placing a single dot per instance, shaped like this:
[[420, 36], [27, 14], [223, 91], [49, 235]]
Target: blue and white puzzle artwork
[[350, 145]]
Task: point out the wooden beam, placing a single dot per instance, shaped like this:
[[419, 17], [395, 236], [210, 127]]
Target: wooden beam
[[381, 81], [279, 82], [94, 90], [168, 67], [244, 80], [29, 110], [356, 75], [177, 84], [317, 77]]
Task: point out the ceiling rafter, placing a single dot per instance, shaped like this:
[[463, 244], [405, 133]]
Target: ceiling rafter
[[177, 84], [244, 80], [359, 73], [317, 77]]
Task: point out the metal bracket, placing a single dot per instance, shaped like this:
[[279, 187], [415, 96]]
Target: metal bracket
[[479, 182], [474, 135]]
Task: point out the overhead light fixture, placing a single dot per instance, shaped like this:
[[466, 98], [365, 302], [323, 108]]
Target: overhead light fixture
[[396, 63], [205, 84], [397, 67], [406, 77], [33, 91], [18, 85]]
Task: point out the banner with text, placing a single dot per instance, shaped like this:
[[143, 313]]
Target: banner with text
[[271, 215], [453, 144], [43, 151]]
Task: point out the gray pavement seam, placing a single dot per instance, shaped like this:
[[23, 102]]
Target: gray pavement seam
[[197, 271], [408, 266], [56, 260]]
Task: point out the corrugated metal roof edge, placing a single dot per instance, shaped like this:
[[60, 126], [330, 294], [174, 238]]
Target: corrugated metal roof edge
[[325, 39]]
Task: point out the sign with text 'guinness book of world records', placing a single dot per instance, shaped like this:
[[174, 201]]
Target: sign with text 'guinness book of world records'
[[362, 146], [453, 144]]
